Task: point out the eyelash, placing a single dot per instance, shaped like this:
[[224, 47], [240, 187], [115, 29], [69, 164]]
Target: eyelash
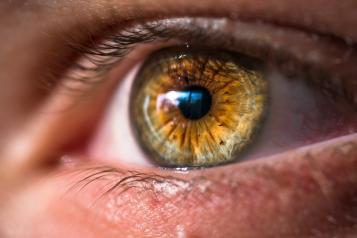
[[99, 58], [122, 181]]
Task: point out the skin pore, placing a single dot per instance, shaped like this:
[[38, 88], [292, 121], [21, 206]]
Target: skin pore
[[307, 192]]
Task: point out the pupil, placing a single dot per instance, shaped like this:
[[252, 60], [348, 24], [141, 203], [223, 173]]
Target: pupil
[[194, 102]]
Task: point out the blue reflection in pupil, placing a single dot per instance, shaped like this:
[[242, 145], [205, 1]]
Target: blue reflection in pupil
[[194, 102]]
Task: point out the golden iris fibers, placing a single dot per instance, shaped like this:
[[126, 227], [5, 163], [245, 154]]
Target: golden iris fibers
[[195, 108]]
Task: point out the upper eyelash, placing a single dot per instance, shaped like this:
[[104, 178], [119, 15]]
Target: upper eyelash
[[110, 52], [104, 55]]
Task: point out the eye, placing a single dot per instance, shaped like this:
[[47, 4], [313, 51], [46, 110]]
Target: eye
[[207, 100]]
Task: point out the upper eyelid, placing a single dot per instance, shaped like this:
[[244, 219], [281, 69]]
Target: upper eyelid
[[326, 56], [189, 30]]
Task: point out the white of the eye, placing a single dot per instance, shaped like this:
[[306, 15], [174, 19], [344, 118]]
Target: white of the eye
[[115, 141]]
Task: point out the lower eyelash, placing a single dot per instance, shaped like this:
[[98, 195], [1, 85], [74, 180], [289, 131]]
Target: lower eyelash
[[119, 182]]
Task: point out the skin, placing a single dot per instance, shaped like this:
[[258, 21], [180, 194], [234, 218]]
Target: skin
[[307, 192]]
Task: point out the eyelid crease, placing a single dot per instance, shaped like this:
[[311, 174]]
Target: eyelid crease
[[325, 61]]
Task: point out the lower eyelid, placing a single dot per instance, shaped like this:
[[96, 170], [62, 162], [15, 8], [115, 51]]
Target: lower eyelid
[[315, 185], [320, 179]]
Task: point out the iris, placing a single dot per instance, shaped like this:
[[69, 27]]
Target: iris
[[196, 109]]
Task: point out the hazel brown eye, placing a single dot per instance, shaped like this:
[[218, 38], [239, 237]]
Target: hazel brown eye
[[197, 108], [205, 92]]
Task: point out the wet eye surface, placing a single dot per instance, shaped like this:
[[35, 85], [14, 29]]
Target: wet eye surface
[[205, 93], [197, 108]]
